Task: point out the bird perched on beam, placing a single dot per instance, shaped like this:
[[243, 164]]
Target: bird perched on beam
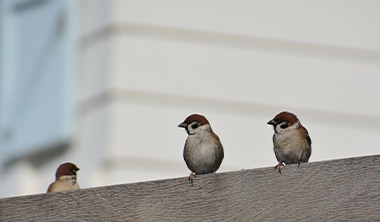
[[203, 152], [291, 141], [65, 178]]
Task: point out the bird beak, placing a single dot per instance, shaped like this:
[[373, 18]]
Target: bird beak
[[272, 122], [183, 125]]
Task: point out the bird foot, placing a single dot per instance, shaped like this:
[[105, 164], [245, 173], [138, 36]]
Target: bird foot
[[278, 167], [299, 163], [191, 180]]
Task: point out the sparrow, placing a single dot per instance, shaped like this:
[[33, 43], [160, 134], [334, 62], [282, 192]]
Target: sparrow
[[203, 151], [65, 178], [291, 141]]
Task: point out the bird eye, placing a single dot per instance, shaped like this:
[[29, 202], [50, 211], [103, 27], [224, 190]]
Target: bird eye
[[284, 125], [195, 125]]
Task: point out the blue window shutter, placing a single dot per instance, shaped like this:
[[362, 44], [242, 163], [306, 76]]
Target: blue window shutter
[[37, 75]]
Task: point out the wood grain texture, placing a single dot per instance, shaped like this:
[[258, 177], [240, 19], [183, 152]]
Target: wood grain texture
[[336, 190]]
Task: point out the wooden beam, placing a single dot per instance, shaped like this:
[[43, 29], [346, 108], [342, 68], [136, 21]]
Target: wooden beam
[[335, 190]]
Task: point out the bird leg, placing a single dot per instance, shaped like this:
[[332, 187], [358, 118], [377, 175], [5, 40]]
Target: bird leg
[[300, 163], [278, 166], [191, 180]]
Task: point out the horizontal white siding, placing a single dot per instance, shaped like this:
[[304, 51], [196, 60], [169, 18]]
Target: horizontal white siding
[[149, 64]]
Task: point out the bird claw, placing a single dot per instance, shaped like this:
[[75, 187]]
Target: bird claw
[[278, 166], [191, 180], [299, 163]]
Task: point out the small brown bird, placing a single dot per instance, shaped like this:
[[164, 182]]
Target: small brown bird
[[203, 152], [292, 143], [65, 178]]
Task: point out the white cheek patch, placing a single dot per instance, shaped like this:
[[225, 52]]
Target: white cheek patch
[[190, 130], [279, 129]]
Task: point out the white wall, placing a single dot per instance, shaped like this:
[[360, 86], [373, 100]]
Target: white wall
[[146, 65]]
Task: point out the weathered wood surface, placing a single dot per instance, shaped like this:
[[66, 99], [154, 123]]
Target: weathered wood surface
[[336, 190]]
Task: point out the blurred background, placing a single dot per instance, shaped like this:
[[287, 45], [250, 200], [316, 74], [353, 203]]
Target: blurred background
[[104, 84]]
